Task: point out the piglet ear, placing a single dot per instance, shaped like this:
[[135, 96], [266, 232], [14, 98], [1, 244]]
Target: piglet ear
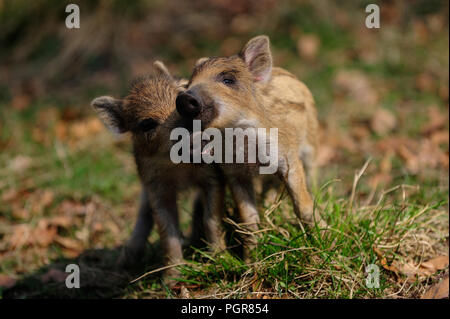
[[257, 56], [109, 111], [161, 69], [200, 61]]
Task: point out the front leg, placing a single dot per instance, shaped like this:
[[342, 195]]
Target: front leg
[[244, 198], [214, 201], [293, 175], [165, 214], [133, 250], [197, 229]]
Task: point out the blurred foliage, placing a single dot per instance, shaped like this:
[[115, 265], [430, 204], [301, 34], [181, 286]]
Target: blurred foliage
[[119, 39]]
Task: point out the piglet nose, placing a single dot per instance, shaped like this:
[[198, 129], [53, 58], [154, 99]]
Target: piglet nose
[[188, 105]]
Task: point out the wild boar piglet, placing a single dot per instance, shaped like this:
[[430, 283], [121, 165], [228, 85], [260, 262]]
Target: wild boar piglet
[[148, 113]]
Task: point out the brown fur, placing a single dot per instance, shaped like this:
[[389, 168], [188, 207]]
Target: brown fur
[[262, 97], [151, 103]]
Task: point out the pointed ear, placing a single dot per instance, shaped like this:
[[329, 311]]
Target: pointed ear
[[256, 54], [108, 110], [200, 61], [161, 69]]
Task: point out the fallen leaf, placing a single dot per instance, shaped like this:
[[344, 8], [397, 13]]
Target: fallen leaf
[[69, 243], [438, 291], [21, 101], [325, 154], [62, 221], [383, 121], [13, 194], [356, 85], [360, 132], [23, 235], [430, 155], [68, 253], [440, 137], [384, 263], [443, 92], [70, 207], [308, 46], [73, 132], [380, 179], [86, 128], [412, 162], [20, 212], [411, 270], [19, 237], [44, 234], [435, 264], [242, 24], [425, 82], [20, 163], [40, 200], [436, 121]]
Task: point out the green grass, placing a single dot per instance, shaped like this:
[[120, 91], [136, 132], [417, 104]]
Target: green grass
[[289, 262]]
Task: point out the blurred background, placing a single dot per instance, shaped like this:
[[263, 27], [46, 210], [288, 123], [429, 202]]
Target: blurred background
[[67, 185]]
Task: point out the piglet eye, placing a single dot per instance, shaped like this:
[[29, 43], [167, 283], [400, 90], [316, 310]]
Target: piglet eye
[[228, 81], [147, 125]]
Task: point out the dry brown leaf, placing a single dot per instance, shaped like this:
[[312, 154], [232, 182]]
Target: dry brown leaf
[[68, 253], [86, 128], [20, 163], [383, 121], [73, 132], [25, 203], [412, 162], [24, 235], [420, 272], [360, 132], [380, 179], [69, 243], [70, 207], [430, 155], [9, 195], [356, 85], [308, 46], [386, 163], [62, 221], [435, 264], [443, 92], [19, 212], [325, 154], [242, 24], [44, 234], [436, 120], [440, 137], [416, 155], [13, 194], [384, 263], [21, 101], [425, 82], [438, 291], [392, 143], [41, 200], [19, 237], [97, 227]]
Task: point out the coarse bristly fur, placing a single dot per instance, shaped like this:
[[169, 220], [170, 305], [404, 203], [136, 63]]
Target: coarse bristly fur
[[148, 112], [244, 90]]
